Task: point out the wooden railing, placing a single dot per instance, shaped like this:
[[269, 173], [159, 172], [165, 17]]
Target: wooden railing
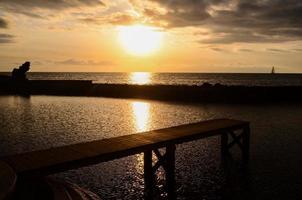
[[54, 160]]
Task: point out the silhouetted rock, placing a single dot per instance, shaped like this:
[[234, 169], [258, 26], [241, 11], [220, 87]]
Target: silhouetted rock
[[218, 85], [20, 73], [206, 84]]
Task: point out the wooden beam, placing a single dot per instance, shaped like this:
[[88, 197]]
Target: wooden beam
[[246, 144], [148, 175], [236, 140], [224, 145], [170, 171], [49, 161]]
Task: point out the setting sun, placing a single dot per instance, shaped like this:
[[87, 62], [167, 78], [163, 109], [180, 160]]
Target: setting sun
[[139, 39]]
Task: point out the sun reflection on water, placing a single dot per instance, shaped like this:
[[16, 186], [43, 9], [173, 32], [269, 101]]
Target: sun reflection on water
[[141, 119], [140, 78], [141, 115]]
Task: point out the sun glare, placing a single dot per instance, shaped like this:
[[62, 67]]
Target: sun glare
[[140, 78], [141, 112], [139, 39]]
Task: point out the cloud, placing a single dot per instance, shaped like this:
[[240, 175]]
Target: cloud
[[50, 4], [176, 13], [246, 50], [225, 21], [244, 36], [3, 23], [115, 19], [123, 19], [24, 12], [277, 50], [271, 21], [38, 8], [217, 49], [73, 61], [6, 38], [230, 21]]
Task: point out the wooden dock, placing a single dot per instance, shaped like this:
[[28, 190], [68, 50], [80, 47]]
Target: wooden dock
[[54, 160]]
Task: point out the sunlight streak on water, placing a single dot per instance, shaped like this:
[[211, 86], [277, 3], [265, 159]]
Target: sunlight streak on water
[[141, 119], [140, 78], [141, 115]]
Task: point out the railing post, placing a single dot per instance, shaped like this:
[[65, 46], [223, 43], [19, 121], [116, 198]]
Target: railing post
[[246, 144], [170, 171], [148, 175]]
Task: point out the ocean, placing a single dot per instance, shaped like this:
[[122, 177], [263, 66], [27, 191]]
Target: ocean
[[39, 122], [175, 78]]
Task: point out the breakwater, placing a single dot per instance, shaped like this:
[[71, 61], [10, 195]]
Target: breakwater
[[204, 93]]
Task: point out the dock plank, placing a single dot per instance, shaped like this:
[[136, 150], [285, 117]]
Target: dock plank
[[54, 160]]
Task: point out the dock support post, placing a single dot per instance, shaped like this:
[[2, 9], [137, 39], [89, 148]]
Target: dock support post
[[148, 175], [242, 140], [170, 171], [246, 144]]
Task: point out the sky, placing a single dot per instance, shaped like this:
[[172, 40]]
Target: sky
[[195, 35]]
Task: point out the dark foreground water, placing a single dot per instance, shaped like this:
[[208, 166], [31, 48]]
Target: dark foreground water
[[274, 172]]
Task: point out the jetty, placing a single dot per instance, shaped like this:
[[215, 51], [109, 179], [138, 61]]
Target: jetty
[[30, 165], [19, 84], [216, 93]]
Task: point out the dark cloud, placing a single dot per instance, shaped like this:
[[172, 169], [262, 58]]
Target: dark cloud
[[50, 4], [34, 8], [178, 13], [259, 21], [244, 36], [24, 12], [231, 21], [3, 23], [6, 38]]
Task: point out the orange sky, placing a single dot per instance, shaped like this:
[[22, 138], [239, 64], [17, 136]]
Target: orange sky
[[196, 36]]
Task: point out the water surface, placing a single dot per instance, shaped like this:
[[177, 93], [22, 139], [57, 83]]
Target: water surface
[[175, 78], [41, 122]]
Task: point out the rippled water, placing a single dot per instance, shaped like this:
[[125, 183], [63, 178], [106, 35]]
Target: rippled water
[[41, 122], [175, 78]]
